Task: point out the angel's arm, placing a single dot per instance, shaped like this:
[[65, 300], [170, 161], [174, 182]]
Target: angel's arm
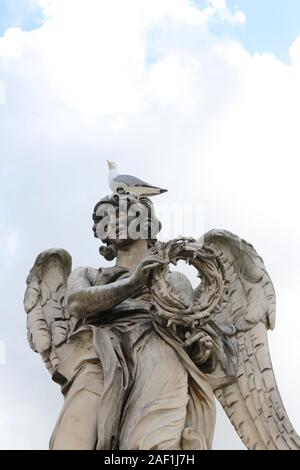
[[83, 299]]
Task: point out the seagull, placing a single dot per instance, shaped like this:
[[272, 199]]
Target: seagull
[[130, 184]]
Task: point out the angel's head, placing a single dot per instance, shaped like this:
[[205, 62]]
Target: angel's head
[[121, 219]]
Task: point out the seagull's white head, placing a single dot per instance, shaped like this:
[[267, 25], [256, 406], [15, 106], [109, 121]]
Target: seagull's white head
[[111, 165]]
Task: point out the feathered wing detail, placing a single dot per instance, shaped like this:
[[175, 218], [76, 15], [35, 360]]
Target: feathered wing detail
[[252, 400], [48, 323]]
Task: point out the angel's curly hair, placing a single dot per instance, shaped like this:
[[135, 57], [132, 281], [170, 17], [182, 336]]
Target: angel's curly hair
[[152, 225]]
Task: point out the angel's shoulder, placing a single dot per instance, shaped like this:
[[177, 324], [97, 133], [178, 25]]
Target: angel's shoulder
[[177, 277], [180, 285], [83, 277]]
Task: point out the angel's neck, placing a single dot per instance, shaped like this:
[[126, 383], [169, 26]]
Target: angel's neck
[[129, 257]]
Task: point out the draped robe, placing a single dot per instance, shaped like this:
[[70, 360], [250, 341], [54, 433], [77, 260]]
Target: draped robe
[[149, 393]]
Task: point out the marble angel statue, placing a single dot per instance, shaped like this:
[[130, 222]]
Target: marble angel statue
[[140, 355]]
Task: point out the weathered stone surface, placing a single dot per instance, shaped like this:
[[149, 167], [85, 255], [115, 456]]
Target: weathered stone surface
[[140, 355]]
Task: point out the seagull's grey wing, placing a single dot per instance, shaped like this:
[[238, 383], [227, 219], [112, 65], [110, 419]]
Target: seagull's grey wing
[[131, 181]]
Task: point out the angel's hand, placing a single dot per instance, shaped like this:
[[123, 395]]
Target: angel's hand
[[141, 274], [205, 344]]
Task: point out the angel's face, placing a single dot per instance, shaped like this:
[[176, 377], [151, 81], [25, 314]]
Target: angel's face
[[121, 225]]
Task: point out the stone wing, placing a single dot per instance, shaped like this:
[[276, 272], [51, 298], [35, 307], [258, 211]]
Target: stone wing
[[252, 401], [48, 323]]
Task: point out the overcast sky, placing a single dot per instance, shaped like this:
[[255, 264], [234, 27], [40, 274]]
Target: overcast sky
[[198, 97]]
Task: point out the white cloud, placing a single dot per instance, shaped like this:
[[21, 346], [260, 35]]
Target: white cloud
[[295, 52], [219, 9], [145, 83], [2, 353], [111, 36], [10, 243], [12, 43], [2, 92]]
